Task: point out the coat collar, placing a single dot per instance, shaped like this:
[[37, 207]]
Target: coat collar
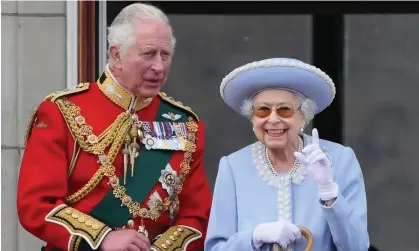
[[115, 92]]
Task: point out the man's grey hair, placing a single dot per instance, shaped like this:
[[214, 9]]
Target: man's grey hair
[[120, 32], [308, 108]]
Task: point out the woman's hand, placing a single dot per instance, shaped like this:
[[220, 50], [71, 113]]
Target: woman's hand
[[319, 168], [125, 240], [281, 232]]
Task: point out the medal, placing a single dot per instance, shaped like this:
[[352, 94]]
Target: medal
[[149, 142], [163, 135]]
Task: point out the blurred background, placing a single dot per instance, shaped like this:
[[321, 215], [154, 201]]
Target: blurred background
[[371, 52]]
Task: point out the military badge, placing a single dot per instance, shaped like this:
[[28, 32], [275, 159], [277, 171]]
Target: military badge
[[154, 199], [171, 182], [171, 116]]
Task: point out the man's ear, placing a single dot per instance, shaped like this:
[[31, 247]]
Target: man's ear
[[115, 56]]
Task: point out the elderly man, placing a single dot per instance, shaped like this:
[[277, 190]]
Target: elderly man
[[117, 164]]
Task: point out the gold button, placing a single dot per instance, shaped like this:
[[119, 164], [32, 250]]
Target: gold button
[[92, 139], [130, 223], [95, 226], [172, 238], [82, 218], [79, 120], [143, 212], [168, 242], [68, 211], [88, 222], [75, 215], [179, 229], [164, 246], [176, 233]]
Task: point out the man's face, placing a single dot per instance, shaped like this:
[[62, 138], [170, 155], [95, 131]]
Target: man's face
[[145, 67]]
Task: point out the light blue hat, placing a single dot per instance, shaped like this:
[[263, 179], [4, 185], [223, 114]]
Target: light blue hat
[[277, 73]]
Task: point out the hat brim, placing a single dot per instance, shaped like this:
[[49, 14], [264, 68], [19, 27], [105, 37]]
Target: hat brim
[[248, 83]]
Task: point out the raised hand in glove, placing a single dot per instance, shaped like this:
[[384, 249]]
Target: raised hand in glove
[[319, 168], [280, 232]]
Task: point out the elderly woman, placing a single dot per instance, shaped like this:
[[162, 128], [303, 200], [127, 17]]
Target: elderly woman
[[287, 179]]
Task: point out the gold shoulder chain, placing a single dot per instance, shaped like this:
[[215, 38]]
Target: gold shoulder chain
[[106, 169], [83, 133]]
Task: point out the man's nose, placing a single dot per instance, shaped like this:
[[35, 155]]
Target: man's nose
[[158, 64]]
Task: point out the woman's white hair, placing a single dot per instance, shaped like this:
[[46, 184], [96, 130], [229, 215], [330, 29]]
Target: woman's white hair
[[308, 108], [120, 32]]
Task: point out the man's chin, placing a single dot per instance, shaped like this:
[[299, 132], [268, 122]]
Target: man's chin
[[148, 93]]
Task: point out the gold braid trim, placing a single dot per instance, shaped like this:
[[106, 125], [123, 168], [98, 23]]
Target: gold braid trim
[[106, 169], [179, 104], [63, 93], [176, 238], [74, 243], [79, 224], [83, 134]]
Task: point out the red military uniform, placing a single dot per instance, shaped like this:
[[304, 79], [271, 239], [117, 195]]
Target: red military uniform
[[91, 166]]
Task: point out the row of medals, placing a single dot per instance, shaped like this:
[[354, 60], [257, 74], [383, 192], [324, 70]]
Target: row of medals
[[154, 135]]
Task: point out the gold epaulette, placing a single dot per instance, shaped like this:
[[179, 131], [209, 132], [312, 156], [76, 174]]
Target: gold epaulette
[[178, 104], [63, 93], [176, 238], [53, 97]]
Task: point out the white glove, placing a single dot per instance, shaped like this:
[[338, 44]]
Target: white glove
[[281, 232], [319, 168]]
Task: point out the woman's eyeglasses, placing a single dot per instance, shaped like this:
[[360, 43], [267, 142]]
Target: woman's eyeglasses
[[282, 111]]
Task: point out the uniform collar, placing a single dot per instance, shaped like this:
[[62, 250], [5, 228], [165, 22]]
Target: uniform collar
[[115, 92]]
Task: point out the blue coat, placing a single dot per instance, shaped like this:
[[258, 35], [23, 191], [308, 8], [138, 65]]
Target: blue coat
[[243, 199]]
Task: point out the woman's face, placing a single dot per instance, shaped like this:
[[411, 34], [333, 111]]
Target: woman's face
[[277, 118]]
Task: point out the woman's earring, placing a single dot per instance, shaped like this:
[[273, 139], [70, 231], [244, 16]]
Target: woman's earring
[[302, 128]]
